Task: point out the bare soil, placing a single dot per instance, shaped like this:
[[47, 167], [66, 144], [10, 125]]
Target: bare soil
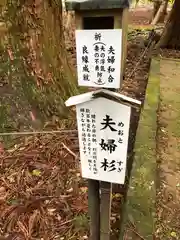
[[140, 16], [168, 145], [170, 53]]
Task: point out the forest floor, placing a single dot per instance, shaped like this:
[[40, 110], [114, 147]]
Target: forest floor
[[168, 150], [42, 195]]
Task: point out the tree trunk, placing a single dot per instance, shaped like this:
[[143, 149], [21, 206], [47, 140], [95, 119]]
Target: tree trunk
[[160, 12], [164, 11], [37, 37], [171, 35], [156, 6]]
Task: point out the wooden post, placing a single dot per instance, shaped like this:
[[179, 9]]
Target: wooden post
[[106, 191], [94, 209], [93, 185], [101, 15], [101, 20]]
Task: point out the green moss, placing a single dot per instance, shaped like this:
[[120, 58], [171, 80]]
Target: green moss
[[141, 194], [140, 27]]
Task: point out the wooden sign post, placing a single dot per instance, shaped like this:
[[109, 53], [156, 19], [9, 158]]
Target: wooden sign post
[[103, 14], [103, 133], [103, 120], [103, 124]]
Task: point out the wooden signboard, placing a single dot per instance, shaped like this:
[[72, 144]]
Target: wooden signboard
[[99, 57], [103, 139], [103, 129]]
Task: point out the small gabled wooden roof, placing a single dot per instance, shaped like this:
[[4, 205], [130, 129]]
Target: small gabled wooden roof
[[114, 96], [96, 4]]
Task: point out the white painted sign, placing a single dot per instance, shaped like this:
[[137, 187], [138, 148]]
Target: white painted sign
[[99, 57], [103, 127]]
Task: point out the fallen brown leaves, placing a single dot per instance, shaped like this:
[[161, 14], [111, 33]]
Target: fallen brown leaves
[[40, 188], [170, 53], [42, 195]]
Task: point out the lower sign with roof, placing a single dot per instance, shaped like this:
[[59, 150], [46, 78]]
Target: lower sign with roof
[[103, 127]]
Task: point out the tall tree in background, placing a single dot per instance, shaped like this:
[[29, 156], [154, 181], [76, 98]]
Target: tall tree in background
[[159, 11], [171, 34], [36, 38], [156, 5]]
